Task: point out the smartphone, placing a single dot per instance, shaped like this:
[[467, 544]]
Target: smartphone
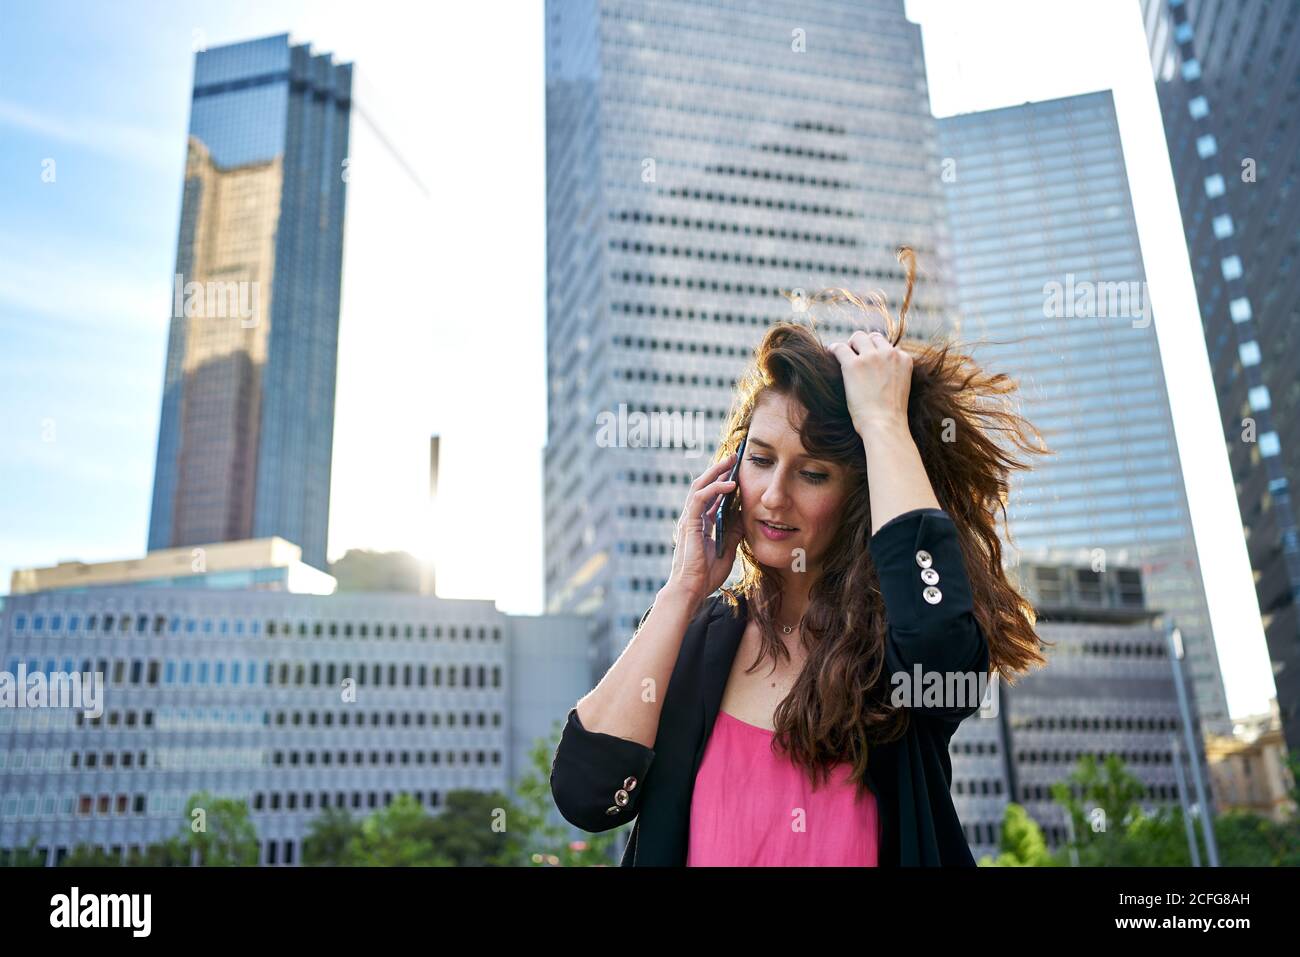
[[720, 520]]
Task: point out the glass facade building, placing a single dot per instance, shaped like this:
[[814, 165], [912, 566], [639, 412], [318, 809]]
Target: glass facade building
[[1228, 79], [705, 162], [1051, 290], [246, 433]]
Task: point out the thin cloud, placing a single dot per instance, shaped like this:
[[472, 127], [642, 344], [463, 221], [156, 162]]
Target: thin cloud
[[156, 148], [49, 280]]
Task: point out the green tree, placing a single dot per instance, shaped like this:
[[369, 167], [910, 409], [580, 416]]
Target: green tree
[[1252, 840], [90, 855], [26, 856], [1022, 844], [400, 835], [329, 838], [172, 852], [220, 836], [479, 829], [227, 837], [1101, 801]]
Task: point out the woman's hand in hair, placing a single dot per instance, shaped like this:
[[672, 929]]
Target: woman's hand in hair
[[696, 571], [877, 379]]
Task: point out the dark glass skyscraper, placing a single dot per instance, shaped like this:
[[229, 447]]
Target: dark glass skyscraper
[[1228, 78], [246, 435]]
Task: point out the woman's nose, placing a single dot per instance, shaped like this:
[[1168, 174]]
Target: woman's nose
[[774, 497]]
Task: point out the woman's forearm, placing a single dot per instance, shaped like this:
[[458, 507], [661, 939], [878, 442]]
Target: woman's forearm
[[628, 701], [895, 476]]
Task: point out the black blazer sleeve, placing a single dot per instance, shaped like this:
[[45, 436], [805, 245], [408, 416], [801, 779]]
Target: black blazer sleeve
[[940, 635], [597, 778]]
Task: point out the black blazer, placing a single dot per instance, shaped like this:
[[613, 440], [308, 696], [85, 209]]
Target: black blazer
[[600, 781]]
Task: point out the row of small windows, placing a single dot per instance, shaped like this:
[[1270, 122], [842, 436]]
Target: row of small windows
[[974, 747], [718, 349], [644, 548], [359, 758], [729, 318], [658, 478], [1084, 723], [646, 511], [643, 584], [977, 834], [737, 229], [1043, 792], [233, 758], [679, 378], [983, 786], [1069, 756], [724, 287], [158, 624], [708, 413], [297, 674], [213, 719], [747, 172], [159, 803], [762, 202], [716, 138], [747, 260], [1123, 649]]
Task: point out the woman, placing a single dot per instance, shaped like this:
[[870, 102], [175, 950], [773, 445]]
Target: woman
[[863, 519]]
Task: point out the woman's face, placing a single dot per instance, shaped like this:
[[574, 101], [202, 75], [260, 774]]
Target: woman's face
[[779, 483]]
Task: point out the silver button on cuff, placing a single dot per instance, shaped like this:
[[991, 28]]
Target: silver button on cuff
[[621, 797], [923, 558], [929, 576], [933, 595]]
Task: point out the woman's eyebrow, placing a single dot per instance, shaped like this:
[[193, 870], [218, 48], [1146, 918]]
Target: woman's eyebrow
[[773, 448]]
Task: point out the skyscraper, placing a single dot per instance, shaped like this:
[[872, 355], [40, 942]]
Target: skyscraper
[[1228, 79], [703, 159], [247, 427], [1049, 272]]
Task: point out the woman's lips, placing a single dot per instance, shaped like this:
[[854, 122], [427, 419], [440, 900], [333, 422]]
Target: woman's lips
[[775, 534]]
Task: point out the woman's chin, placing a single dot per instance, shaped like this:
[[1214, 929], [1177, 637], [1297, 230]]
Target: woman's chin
[[777, 556]]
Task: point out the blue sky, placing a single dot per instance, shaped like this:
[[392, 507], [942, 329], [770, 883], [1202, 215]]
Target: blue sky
[[86, 260]]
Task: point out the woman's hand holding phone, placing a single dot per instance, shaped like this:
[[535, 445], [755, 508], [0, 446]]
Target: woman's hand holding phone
[[697, 571]]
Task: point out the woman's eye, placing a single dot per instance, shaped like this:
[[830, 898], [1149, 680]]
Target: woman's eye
[[815, 477]]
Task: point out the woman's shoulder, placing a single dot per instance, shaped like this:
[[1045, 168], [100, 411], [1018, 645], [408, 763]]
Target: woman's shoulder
[[714, 606]]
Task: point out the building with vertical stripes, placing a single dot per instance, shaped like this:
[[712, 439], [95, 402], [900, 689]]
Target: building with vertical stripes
[[1228, 79]]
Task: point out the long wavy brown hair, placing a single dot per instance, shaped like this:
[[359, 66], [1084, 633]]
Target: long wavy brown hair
[[839, 705]]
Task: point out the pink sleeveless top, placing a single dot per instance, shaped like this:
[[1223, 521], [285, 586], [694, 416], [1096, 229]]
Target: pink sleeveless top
[[752, 807]]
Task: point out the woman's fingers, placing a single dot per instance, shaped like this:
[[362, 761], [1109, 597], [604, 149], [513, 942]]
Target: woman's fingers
[[863, 342], [723, 488], [706, 499]]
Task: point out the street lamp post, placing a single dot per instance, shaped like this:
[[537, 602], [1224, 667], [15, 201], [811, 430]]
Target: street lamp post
[[1174, 637]]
